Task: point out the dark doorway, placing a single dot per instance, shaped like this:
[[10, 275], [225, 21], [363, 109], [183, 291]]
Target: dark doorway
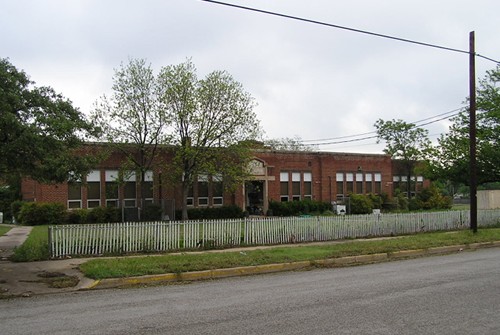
[[254, 193]]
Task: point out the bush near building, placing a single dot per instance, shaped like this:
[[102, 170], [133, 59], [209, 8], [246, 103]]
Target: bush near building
[[35, 214], [212, 213], [430, 198], [291, 208]]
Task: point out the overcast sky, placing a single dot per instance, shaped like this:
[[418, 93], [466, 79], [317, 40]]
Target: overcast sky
[[311, 81]]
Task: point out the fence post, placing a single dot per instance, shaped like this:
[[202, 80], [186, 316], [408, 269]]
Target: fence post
[[51, 248]]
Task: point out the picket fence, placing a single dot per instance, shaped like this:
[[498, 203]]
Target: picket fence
[[134, 237]]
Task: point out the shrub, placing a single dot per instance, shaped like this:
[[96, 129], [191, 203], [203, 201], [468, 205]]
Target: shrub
[[290, 208], [103, 215], [151, 212], [15, 209], [77, 216], [377, 200], [432, 198], [33, 214], [361, 204], [224, 212], [8, 195]]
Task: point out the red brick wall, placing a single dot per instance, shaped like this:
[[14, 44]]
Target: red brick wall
[[323, 167]]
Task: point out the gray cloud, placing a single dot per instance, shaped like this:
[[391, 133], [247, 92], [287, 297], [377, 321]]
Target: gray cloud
[[312, 81]]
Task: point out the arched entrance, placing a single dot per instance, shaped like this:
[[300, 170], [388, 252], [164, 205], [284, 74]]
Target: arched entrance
[[255, 190], [254, 197]]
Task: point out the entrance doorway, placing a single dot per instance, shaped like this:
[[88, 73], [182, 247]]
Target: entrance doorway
[[254, 197]]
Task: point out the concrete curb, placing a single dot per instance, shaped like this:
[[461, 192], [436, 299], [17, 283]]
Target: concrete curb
[[271, 268]]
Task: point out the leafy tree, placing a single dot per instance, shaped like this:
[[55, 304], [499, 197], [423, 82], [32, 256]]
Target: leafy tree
[[39, 130], [289, 144], [133, 119], [453, 159], [213, 123], [405, 142]]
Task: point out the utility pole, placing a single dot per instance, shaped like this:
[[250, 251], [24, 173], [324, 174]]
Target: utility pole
[[472, 133]]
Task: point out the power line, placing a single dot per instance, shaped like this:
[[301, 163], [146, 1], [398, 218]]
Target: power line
[[348, 28], [416, 123]]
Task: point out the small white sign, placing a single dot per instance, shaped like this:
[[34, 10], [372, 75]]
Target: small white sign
[[341, 209]]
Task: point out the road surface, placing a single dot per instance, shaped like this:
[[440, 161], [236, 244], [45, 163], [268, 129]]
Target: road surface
[[454, 294]]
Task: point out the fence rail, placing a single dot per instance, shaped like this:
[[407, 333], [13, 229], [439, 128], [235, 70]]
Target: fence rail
[[133, 237]]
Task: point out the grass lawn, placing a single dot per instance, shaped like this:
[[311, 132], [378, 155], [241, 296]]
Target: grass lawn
[[35, 248], [137, 266], [4, 229]]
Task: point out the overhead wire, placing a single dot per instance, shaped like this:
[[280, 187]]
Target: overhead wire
[[348, 28], [416, 124], [362, 32]]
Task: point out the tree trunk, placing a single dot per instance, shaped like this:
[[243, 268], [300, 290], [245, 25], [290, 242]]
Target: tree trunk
[[185, 190], [408, 185]]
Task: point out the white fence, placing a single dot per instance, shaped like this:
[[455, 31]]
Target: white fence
[[118, 238]]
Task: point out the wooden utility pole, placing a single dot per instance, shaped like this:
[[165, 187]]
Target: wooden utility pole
[[472, 133]]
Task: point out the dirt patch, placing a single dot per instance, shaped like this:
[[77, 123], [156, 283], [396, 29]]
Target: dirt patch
[[58, 279]]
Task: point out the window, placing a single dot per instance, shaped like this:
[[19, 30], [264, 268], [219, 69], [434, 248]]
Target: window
[[74, 195], [368, 183], [395, 184], [129, 190], [190, 196], [359, 183], [284, 186], [296, 186], [404, 185], [349, 178], [378, 183], [147, 188], [420, 183], [217, 191], [111, 188], [202, 190], [308, 185], [340, 185], [94, 189]]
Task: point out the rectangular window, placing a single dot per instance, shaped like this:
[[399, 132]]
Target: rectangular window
[[74, 195], [349, 178], [296, 186], [359, 183], [94, 189], [420, 183], [308, 185], [395, 184], [111, 188], [202, 190], [340, 184], [217, 191], [378, 183], [147, 188], [190, 196], [284, 186], [130, 190], [404, 185], [368, 183]]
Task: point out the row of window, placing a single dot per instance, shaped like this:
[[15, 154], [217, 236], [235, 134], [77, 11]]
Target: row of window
[[298, 185], [93, 186], [401, 183], [295, 185], [207, 191], [358, 183]]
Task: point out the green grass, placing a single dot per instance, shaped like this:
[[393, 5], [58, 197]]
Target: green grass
[[35, 248], [137, 266], [461, 207], [4, 229]]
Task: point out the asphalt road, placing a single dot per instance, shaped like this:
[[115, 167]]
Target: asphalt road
[[455, 294]]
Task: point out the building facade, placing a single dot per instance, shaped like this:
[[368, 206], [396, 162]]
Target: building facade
[[274, 176]]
